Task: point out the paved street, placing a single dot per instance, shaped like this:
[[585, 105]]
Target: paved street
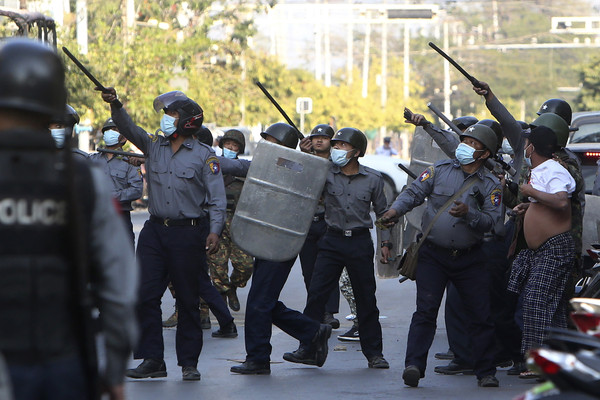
[[345, 374]]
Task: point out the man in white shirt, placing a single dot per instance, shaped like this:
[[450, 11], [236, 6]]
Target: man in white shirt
[[386, 149]]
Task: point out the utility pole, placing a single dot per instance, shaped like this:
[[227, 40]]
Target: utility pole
[[318, 50], [128, 22], [406, 61], [384, 59], [447, 88], [349, 50], [82, 38], [327, 53], [365, 83]]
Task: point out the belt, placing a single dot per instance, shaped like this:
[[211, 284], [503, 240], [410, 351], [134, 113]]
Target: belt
[[452, 252], [175, 222], [318, 217], [348, 232]]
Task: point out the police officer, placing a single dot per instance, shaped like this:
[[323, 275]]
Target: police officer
[[62, 127], [263, 307], [452, 251], [54, 210], [126, 179], [184, 180], [349, 191]]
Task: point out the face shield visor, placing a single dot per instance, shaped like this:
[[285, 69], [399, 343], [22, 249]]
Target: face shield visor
[[163, 101]]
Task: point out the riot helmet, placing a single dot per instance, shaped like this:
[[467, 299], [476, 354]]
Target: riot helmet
[[236, 136], [463, 123], [556, 123], [205, 136], [62, 124], [353, 136], [483, 134], [558, 107], [490, 123], [191, 114], [33, 77], [322, 130], [284, 133], [109, 124]]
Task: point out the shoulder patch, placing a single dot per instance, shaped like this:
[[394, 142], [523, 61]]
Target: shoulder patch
[[428, 173], [213, 164], [496, 197], [154, 138]]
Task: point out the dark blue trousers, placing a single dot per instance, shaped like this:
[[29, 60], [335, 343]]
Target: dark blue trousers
[[308, 257], [176, 253], [264, 309], [126, 217], [471, 279], [356, 254]]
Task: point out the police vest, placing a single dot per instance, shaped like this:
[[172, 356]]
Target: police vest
[[38, 306]]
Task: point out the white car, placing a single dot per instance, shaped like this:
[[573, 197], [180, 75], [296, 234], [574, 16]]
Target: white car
[[394, 177]]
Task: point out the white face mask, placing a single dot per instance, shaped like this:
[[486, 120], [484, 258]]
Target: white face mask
[[111, 137], [464, 153], [339, 157], [59, 136], [229, 153], [167, 125]]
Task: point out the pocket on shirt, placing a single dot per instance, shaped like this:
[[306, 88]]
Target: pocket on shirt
[[335, 190], [364, 196], [119, 176]]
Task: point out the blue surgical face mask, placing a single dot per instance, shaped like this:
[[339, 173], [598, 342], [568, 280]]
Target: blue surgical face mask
[[507, 148], [464, 154], [167, 125], [525, 158], [339, 157], [111, 137], [229, 153], [59, 137]]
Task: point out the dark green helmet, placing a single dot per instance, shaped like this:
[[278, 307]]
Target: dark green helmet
[[463, 123], [556, 123], [558, 107], [284, 133], [496, 128], [483, 134], [353, 136], [236, 136], [322, 130]]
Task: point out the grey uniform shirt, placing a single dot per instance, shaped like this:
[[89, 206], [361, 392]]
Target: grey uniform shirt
[[438, 183], [182, 184], [115, 280], [348, 199], [126, 179], [234, 166], [511, 129]]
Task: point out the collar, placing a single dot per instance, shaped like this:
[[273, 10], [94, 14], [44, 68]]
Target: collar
[[480, 172], [337, 170], [187, 143]]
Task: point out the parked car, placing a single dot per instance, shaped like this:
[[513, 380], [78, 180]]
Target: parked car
[[394, 177], [585, 142]]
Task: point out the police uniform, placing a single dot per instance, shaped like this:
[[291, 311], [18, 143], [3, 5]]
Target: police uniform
[[127, 184], [171, 243], [347, 243], [452, 253]]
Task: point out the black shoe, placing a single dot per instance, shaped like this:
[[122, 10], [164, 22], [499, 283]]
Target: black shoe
[[517, 368], [411, 376], [252, 368], [488, 381], [329, 319], [149, 368], [205, 321], [350, 336], [301, 356], [190, 374], [449, 355], [229, 331], [378, 362], [234, 302], [454, 369], [320, 343]]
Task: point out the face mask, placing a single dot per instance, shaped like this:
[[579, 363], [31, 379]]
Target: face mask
[[338, 157], [167, 125], [507, 148], [229, 153], [464, 154], [59, 137], [525, 158], [111, 137]]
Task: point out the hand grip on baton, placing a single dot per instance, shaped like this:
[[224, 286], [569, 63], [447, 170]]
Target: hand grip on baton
[[456, 65], [89, 74]]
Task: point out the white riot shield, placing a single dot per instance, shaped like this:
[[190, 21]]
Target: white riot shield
[[278, 201]]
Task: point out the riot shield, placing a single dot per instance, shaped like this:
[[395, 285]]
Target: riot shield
[[278, 201]]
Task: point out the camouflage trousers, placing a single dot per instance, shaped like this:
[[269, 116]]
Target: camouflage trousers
[[346, 289], [218, 263]]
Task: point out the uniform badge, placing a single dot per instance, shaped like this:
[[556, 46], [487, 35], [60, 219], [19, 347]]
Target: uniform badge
[[496, 197], [154, 138], [428, 173], [213, 164]]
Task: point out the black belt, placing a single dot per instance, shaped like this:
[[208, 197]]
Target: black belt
[[452, 252], [176, 222], [348, 232], [318, 217]]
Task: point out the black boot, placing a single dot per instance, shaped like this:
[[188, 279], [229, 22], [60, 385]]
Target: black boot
[[228, 331], [252, 368], [149, 368]]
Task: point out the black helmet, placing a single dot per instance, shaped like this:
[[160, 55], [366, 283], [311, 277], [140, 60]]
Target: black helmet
[[483, 134], [322, 130], [490, 123], [559, 107], [68, 117], [463, 123], [33, 77], [353, 136], [286, 134], [108, 125], [236, 136], [205, 136], [191, 114]]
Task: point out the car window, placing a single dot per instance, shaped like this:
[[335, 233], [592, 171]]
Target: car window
[[587, 133]]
